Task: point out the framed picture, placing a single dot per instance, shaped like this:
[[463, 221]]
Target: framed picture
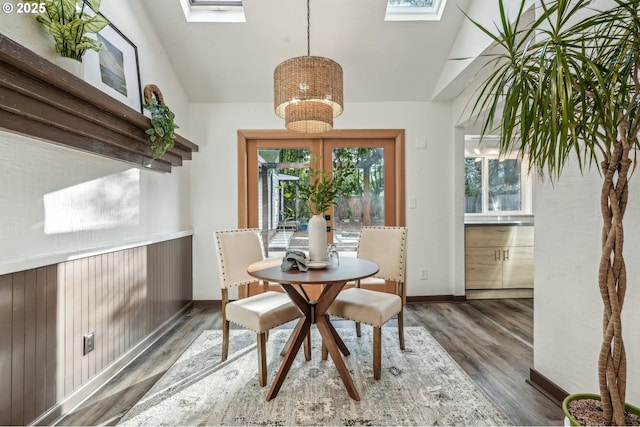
[[115, 70]]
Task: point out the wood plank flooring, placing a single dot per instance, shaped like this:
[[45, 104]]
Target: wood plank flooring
[[492, 340]]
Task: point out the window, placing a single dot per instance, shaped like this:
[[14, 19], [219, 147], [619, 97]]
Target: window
[[216, 2], [495, 185], [414, 10], [213, 10]]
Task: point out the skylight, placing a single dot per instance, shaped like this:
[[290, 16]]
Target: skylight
[[414, 10], [213, 10]]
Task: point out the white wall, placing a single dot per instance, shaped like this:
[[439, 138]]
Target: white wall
[[429, 178], [568, 307], [33, 172]]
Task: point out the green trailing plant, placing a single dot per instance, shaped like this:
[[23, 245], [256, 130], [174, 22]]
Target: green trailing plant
[[68, 22], [568, 86], [162, 131]]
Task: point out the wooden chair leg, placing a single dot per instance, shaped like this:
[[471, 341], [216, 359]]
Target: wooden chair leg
[[358, 330], [325, 351], [307, 346], [401, 329], [225, 339], [262, 359], [377, 352]]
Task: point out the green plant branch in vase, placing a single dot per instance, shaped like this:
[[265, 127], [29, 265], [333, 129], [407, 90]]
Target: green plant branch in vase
[[68, 22], [322, 188]]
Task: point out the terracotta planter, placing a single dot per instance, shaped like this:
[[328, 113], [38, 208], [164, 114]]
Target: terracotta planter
[[568, 418]]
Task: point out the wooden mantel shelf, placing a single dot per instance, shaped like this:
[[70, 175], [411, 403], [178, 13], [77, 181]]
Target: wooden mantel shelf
[[39, 99]]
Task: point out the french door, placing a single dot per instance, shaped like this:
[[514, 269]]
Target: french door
[[271, 162]]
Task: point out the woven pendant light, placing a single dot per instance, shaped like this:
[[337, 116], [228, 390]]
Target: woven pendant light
[[308, 91]]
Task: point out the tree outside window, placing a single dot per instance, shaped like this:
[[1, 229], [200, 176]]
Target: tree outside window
[[494, 185]]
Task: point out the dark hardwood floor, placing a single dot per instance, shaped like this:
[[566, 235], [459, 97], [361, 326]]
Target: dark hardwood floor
[[492, 340]]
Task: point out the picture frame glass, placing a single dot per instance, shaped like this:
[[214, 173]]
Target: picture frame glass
[[114, 69]]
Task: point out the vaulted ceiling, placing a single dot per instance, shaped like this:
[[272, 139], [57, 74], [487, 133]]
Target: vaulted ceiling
[[382, 61]]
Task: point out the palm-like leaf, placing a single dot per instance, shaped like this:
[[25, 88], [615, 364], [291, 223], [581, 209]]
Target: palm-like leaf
[[566, 87]]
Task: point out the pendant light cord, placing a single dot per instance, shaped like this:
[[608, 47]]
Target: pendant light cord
[[308, 29]]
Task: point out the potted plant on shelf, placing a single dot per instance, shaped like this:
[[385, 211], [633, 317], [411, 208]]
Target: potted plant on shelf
[[162, 131], [69, 21], [567, 85], [318, 191]]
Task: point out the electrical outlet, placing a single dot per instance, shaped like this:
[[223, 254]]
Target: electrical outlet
[[424, 274], [89, 343]]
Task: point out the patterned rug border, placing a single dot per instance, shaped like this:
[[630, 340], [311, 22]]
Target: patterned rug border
[[422, 385]]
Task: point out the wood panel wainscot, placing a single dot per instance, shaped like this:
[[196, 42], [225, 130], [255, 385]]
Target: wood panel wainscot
[[499, 261], [125, 298]]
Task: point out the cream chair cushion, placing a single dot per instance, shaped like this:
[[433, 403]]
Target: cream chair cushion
[[263, 311], [366, 306]]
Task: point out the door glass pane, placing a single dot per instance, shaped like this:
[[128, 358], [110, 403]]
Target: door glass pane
[[282, 219], [504, 185], [363, 203], [473, 185]]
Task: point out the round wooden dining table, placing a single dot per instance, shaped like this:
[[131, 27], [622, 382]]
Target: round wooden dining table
[[334, 278]]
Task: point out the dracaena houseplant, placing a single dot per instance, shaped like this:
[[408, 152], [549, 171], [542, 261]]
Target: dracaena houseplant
[[69, 21], [567, 85]]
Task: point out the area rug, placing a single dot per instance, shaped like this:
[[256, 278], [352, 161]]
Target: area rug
[[421, 385]]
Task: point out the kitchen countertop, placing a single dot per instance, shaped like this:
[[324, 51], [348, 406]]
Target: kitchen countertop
[[511, 223], [526, 220]]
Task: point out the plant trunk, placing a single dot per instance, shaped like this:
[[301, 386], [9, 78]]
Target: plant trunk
[[612, 280]]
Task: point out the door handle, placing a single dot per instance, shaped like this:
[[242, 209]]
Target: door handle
[[506, 255], [496, 255]]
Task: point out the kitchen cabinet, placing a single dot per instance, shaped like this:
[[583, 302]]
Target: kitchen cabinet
[[498, 257]]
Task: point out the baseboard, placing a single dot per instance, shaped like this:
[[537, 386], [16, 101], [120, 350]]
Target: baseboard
[[51, 416], [546, 387], [499, 293], [207, 303], [204, 304], [436, 298]]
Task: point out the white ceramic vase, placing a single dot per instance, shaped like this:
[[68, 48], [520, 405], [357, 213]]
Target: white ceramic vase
[[317, 238], [71, 65]]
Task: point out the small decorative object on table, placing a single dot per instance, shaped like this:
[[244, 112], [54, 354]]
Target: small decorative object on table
[[332, 255], [294, 259]]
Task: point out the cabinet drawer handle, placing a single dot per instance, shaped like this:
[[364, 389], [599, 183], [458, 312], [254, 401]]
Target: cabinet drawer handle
[[497, 255], [506, 255]]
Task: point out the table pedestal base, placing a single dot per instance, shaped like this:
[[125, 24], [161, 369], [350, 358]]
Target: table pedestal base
[[314, 313]]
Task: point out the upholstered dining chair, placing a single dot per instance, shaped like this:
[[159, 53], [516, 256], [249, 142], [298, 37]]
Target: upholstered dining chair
[[386, 246], [237, 249]]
